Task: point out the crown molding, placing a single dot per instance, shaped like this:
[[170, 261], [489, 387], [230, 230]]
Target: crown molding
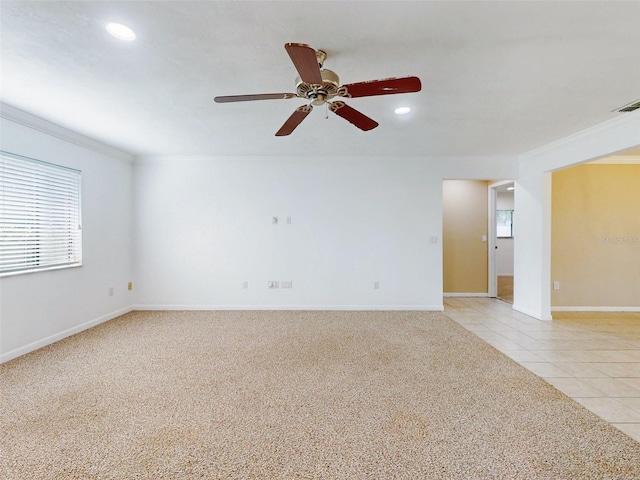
[[617, 160], [630, 121], [45, 126]]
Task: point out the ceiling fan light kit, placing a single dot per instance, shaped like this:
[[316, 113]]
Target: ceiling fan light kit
[[319, 86]]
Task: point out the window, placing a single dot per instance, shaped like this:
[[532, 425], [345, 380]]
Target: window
[[504, 223], [40, 225]]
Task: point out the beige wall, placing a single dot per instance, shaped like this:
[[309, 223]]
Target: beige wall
[[595, 236], [464, 224]]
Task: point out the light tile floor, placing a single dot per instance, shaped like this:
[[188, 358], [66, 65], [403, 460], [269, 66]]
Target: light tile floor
[[593, 357]]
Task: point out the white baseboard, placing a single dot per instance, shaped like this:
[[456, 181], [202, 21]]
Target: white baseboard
[[465, 294], [5, 357], [428, 308], [595, 309], [530, 313]]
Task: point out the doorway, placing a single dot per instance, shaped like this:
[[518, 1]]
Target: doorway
[[501, 234]]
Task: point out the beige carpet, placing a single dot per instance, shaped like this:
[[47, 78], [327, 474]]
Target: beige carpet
[[335, 395]]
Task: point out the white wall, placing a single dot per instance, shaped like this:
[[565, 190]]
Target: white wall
[[39, 308], [504, 253], [203, 227]]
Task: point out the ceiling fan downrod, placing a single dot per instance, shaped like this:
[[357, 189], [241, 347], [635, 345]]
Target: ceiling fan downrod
[[321, 56]]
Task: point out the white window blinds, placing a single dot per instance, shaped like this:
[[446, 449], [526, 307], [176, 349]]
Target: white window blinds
[[40, 222]]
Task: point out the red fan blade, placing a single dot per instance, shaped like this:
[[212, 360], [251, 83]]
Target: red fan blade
[[248, 98], [294, 120], [305, 60], [387, 86], [360, 120]]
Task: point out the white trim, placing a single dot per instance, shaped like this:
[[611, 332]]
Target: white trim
[[50, 128], [428, 308], [492, 240], [437, 160], [455, 294], [545, 264], [501, 183], [617, 160], [595, 309], [492, 236], [530, 313], [5, 357], [605, 127]]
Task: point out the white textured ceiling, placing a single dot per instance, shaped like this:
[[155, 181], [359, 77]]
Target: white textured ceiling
[[499, 78]]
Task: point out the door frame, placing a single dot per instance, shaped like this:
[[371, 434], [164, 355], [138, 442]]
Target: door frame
[[492, 236]]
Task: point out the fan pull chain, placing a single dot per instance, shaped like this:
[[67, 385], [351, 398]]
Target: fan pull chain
[[326, 111]]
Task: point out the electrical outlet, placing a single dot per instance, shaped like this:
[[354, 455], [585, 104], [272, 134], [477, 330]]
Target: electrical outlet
[[273, 284], [111, 291], [286, 284], [288, 220], [556, 285], [130, 286], [376, 285], [245, 284]]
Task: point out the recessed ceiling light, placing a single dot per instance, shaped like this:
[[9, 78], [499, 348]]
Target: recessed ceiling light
[[120, 31], [402, 110]]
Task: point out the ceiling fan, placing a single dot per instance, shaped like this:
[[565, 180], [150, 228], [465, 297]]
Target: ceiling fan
[[320, 86]]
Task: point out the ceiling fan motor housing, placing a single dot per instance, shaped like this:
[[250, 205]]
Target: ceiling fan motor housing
[[318, 94]]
